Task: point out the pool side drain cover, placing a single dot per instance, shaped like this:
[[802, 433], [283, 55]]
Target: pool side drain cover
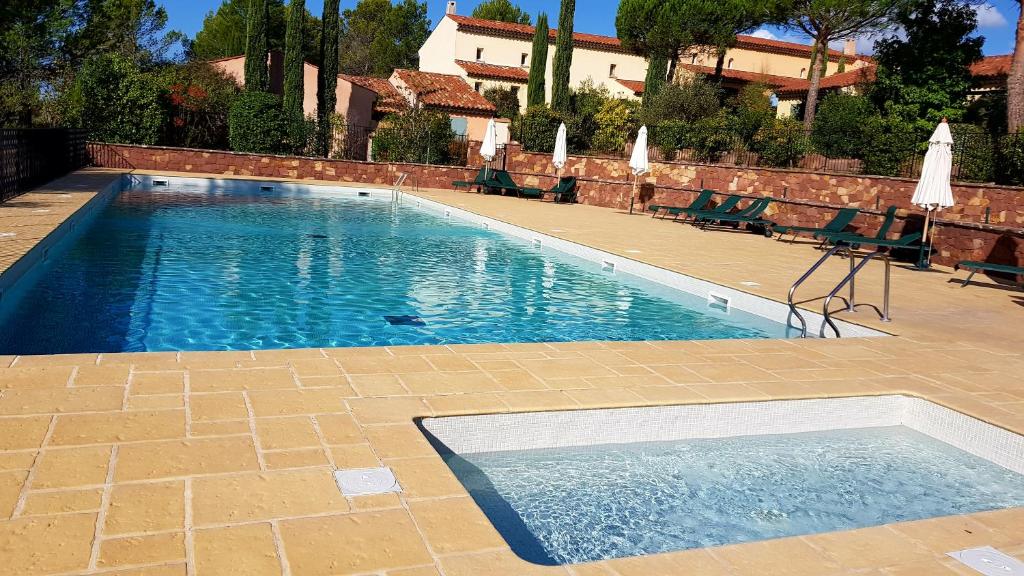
[[405, 321], [989, 561], [366, 481]]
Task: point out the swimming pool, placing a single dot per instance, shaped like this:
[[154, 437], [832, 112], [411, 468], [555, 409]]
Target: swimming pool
[[240, 268], [579, 486]]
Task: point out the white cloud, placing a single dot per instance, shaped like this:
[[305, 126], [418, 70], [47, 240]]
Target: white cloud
[[766, 34], [989, 16]]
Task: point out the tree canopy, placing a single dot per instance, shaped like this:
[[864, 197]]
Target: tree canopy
[[502, 11], [535, 88], [562, 64], [223, 31], [134, 29], [378, 36]]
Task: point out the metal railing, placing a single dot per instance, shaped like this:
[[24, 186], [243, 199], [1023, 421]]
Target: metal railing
[[30, 157]]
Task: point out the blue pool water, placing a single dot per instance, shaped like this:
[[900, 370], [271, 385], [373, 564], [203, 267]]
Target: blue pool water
[[189, 270], [568, 505]]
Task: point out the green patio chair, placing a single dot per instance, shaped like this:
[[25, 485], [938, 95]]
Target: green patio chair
[[974, 267], [751, 216], [565, 191], [502, 180], [837, 225], [699, 203], [480, 180], [723, 208], [851, 237], [564, 185]]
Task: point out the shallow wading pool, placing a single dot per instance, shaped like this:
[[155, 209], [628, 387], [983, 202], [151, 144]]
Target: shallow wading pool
[[578, 486]]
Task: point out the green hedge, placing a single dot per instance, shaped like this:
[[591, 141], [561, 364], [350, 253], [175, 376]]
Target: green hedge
[[418, 136], [257, 124]]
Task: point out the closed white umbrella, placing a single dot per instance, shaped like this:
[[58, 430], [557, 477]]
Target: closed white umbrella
[[559, 156], [638, 162], [933, 191], [489, 147]]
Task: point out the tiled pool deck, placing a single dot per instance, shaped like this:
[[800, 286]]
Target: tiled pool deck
[[220, 463]]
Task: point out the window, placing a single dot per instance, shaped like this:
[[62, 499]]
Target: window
[[460, 125], [479, 54], [611, 71], [729, 65], [523, 58], [478, 86], [803, 72]]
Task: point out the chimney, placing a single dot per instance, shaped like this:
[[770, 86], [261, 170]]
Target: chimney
[[451, 7], [850, 47]]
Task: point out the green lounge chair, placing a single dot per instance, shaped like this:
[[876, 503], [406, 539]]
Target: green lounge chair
[[851, 237], [974, 267], [565, 191], [904, 242], [751, 216], [699, 203], [502, 181], [838, 224], [480, 180], [723, 208]]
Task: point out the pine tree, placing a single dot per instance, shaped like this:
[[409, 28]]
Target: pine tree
[[657, 70], [327, 77], [257, 77], [538, 64], [563, 57], [293, 81]]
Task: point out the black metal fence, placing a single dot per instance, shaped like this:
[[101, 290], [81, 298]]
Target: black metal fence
[[34, 156], [351, 142]]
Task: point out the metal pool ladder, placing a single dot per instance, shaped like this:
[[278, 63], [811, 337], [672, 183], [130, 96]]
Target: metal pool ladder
[[396, 190], [850, 278]]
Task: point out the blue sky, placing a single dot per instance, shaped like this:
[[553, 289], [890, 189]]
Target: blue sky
[[996, 18]]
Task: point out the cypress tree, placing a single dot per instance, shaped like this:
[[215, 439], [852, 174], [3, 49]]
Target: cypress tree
[[842, 65], [563, 57], [327, 77], [293, 81], [657, 70], [538, 64], [257, 77]]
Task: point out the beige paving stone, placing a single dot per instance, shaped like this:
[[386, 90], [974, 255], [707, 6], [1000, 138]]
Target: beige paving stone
[[35, 377], [57, 360], [11, 483], [565, 368], [781, 557], [170, 458], [265, 496], [730, 393], [679, 374], [875, 547], [255, 379], [353, 543], [420, 571], [20, 539], [94, 399], [426, 478], [148, 507], [388, 410], [156, 402], [287, 355], [72, 429], [236, 551], [378, 385], [537, 400], [385, 365], [495, 563], [451, 363], [294, 402], [62, 502], [670, 394], [942, 535], [453, 525], [452, 404], [101, 376], [354, 456], [17, 460], [146, 361], [303, 458], [697, 562], [449, 382], [398, 441], [220, 428], [339, 428], [592, 569], [157, 383], [338, 384], [290, 432], [732, 372], [517, 379], [67, 467], [214, 360], [924, 568], [375, 502], [605, 398], [633, 381], [23, 432], [1008, 520], [315, 367], [174, 569], [142, 550], [221, 406]]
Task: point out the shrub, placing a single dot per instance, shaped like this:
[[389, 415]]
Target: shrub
[[256, 123], [973, 152], [505, 100], [690, 101], [1011, 159], [115, 102], [669, 136], [616, 122], [198, 98], [781, 143], [710, 138], [888, 143], [537, 129], [751, 109], [840, 125], [417, 136]]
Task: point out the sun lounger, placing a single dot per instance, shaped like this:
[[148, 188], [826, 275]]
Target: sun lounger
[[850, 237], [974, 267], [565, 191], [699, 203], [751, 215], [502, 181], [723, 208], [480, 180], [838, 224]]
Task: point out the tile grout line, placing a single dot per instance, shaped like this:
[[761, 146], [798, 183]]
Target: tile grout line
[[30, 477], [252, 430], [190, 538], [282, 557], [101, 517], [186, 383]]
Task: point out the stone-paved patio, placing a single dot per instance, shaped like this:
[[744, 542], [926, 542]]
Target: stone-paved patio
[[218, 463]]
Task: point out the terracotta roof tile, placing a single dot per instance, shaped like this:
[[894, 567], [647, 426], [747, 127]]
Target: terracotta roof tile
[[741, 75], [634, 86], [444, 91], [860, 75], [483, 70], [783, 47], [525, 31], [992, 66], [388, 98]]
